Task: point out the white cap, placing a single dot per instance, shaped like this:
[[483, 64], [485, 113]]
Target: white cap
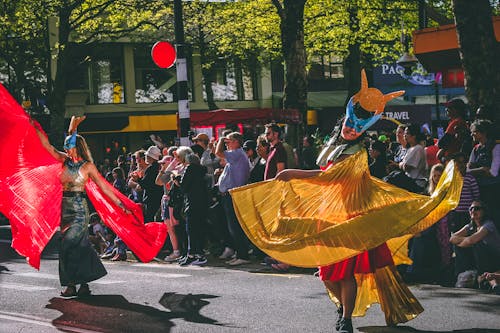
[[154, 152]]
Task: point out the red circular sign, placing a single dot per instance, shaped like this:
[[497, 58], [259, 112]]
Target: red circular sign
[[163, 54]]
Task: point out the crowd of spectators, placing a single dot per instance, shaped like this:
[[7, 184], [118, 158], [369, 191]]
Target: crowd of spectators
[[188, 189]]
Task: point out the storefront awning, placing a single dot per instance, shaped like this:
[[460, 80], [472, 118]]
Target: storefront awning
[[437, 48], [125, 124], [222, 116]]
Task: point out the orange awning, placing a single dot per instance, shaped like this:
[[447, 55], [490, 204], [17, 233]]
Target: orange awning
[[437, 48]]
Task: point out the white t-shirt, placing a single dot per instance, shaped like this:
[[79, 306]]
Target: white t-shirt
[[415, 157]]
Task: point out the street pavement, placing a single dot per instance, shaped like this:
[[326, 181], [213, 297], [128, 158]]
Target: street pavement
[[159, 297]]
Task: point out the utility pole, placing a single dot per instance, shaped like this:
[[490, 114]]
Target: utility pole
[[181, 67]]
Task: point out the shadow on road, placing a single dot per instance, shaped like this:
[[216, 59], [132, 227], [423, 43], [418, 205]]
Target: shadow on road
[[114, 314], [404, 329]]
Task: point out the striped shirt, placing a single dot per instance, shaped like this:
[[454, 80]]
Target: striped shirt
[[470, 192]]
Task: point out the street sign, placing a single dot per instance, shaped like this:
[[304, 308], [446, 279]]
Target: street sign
[[163, 54]]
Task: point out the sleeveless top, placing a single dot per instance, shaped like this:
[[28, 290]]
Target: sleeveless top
[[72, 171], [331, 153]]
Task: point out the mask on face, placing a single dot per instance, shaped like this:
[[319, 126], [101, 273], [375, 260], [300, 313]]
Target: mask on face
[[358, 124], [70, 141]]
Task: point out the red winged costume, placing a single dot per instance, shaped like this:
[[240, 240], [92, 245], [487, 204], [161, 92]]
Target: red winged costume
[[31, 193]]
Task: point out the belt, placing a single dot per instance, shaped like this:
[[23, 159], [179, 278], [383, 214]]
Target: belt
[[223, 194], [73, 194]]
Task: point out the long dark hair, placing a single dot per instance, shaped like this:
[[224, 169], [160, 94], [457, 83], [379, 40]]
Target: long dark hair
[[83, 149]]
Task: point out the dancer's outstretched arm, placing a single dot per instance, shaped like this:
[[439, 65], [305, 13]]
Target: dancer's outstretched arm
[[58, 155]]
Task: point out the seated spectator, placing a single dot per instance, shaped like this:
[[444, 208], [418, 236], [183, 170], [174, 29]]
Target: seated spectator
[[493, 279], [378, 155], [459, 217], [482, 235], [97, 234], [398, 149], [424, 248]]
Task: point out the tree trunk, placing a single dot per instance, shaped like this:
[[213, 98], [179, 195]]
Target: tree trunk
[[479, 52], [207, 72], [294, 53], [57, 97], [353, 69], [353, 60]]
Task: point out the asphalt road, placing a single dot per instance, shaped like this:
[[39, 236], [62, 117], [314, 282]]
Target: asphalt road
[[158, 297]]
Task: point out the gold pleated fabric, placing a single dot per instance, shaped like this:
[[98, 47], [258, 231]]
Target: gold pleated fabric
[[340, 213], [396, 300]]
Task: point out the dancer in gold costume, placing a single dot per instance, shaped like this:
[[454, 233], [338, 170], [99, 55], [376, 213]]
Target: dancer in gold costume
[[354, 226]]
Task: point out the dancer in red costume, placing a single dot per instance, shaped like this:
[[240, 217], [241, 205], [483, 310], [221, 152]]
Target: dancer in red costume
[[31, 190]]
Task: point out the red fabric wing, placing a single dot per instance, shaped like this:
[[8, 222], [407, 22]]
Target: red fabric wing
[[145, 240], [30, 189]]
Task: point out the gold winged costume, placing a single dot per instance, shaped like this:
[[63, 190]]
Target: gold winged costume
[[343, 212]]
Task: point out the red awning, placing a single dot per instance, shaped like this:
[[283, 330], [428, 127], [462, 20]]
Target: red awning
[[253, 116], [437, 48]]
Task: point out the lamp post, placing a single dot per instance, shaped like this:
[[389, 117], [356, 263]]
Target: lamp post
[[407, 60], [181, 68]]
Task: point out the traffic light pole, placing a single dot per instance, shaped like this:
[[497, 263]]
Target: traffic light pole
[[181, 67]]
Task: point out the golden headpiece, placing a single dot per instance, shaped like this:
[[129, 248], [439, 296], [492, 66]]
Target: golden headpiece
[[372, 99]]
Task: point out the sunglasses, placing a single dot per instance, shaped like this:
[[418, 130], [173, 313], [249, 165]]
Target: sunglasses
[[474, 208]]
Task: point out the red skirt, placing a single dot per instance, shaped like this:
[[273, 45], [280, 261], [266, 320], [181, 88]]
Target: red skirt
[[363, 263]]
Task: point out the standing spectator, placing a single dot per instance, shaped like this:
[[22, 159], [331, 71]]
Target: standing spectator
[[484, 164], [256, 174], [309, 154], [277, 158], [235, 173], [194, 188], [263, 147], [152, 193], [169, 163], [119, 180], [135, 173], [208, 158], [122, 163], [457, 129]]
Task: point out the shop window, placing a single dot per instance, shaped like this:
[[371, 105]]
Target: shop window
[[154, 84], [326, 67], [233, 83], [106, 75]]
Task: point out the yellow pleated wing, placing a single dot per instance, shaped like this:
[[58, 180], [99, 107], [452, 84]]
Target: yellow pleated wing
[[339, 213]]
